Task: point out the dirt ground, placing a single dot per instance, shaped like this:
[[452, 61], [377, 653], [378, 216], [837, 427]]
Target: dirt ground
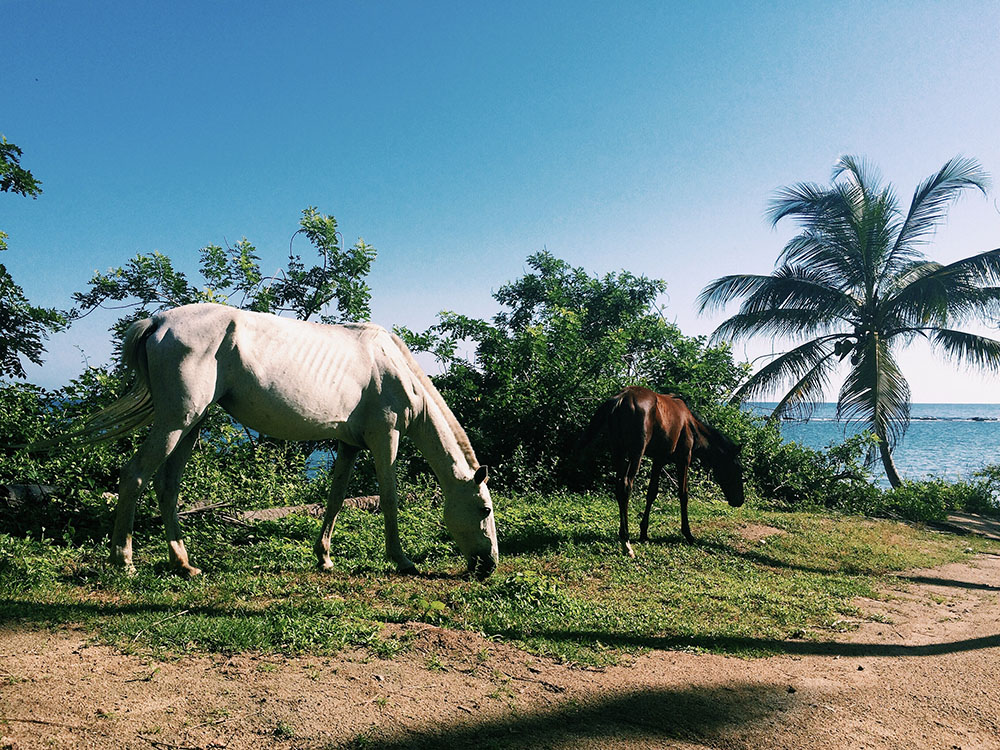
[[928, 676]]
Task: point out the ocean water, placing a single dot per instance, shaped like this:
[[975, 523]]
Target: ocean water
[[949, 441]]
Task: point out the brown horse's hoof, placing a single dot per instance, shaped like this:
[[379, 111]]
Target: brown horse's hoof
[[409, 570]]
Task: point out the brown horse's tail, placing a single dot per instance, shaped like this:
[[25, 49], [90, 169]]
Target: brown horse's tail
[[134, 409], [597, 424]]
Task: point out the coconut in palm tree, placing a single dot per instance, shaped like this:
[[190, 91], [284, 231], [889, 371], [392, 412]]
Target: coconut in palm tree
[[854, 285]]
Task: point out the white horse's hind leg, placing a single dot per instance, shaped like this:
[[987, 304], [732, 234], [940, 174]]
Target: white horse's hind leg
[[342, 469], [135, 474], [385, 471], [167, 483]]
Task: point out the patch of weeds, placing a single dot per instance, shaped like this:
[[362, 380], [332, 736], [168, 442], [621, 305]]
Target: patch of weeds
[[283, 731], [434, 664], [431, 610], [385, 648]]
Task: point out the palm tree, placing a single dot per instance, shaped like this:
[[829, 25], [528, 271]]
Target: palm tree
[[854, 283]]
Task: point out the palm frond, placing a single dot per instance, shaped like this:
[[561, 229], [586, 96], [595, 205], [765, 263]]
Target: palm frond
[[983, 268], [796, 287], [933, 196], [804, 199], [968, 348], [795, 365], [721, 291], [806, 391], [827, 252], [930, 293], [876, 393], [774, 323], [860, 173]]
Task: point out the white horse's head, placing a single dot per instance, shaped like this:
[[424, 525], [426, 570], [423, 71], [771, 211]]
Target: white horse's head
[[468, 514]]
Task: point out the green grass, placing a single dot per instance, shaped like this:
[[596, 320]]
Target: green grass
[[562, 589]]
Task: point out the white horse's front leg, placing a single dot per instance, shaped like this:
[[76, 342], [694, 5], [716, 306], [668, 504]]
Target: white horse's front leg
[[342, 469], [385, 472]]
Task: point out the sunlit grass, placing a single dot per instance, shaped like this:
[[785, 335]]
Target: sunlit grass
[[562, 589]]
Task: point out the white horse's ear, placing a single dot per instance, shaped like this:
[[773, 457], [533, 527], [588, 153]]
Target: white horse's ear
[[482, 475]]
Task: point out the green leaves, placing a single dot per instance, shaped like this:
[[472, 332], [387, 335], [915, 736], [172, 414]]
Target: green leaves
[[23, 326], [233, 276], [13, 177]]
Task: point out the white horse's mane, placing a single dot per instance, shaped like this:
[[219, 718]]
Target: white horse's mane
[[461, 437]]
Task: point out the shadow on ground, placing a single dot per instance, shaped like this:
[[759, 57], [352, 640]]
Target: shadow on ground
[[764, 646], [949, 583], [639, 717]]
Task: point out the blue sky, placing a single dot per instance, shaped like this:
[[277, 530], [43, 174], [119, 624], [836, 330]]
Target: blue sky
[[458, 138]]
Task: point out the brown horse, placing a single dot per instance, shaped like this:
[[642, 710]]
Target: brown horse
[[639, 421]]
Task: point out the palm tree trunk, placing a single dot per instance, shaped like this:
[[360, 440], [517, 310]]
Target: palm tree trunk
[[890, 466]]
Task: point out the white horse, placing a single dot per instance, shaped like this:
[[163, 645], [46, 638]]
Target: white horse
[[291, 380]]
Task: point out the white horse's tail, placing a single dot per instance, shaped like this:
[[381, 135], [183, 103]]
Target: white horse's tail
[[134, 409]]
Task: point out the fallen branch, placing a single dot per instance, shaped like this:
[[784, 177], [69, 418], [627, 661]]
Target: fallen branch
[[19, 495], [202, 509], [49, 724]]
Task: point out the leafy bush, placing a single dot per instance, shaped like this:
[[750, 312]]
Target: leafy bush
[[564, 342], [229, 463], [933, 499], [987, 497]]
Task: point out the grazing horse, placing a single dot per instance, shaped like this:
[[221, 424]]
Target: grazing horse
[[292, 380], [639, 421]]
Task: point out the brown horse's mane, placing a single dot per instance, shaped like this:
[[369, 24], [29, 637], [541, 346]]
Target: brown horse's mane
[[711, 444]]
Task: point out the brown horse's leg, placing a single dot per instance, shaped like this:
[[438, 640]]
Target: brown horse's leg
[[682, 495], [654, 488], [623, 488]]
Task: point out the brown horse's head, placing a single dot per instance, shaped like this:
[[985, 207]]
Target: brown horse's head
[[728, 473], [722, 457]]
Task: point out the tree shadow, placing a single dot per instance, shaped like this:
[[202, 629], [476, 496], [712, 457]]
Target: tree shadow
[[950, 582], [651, 717], [742, 644], [28, 613]]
